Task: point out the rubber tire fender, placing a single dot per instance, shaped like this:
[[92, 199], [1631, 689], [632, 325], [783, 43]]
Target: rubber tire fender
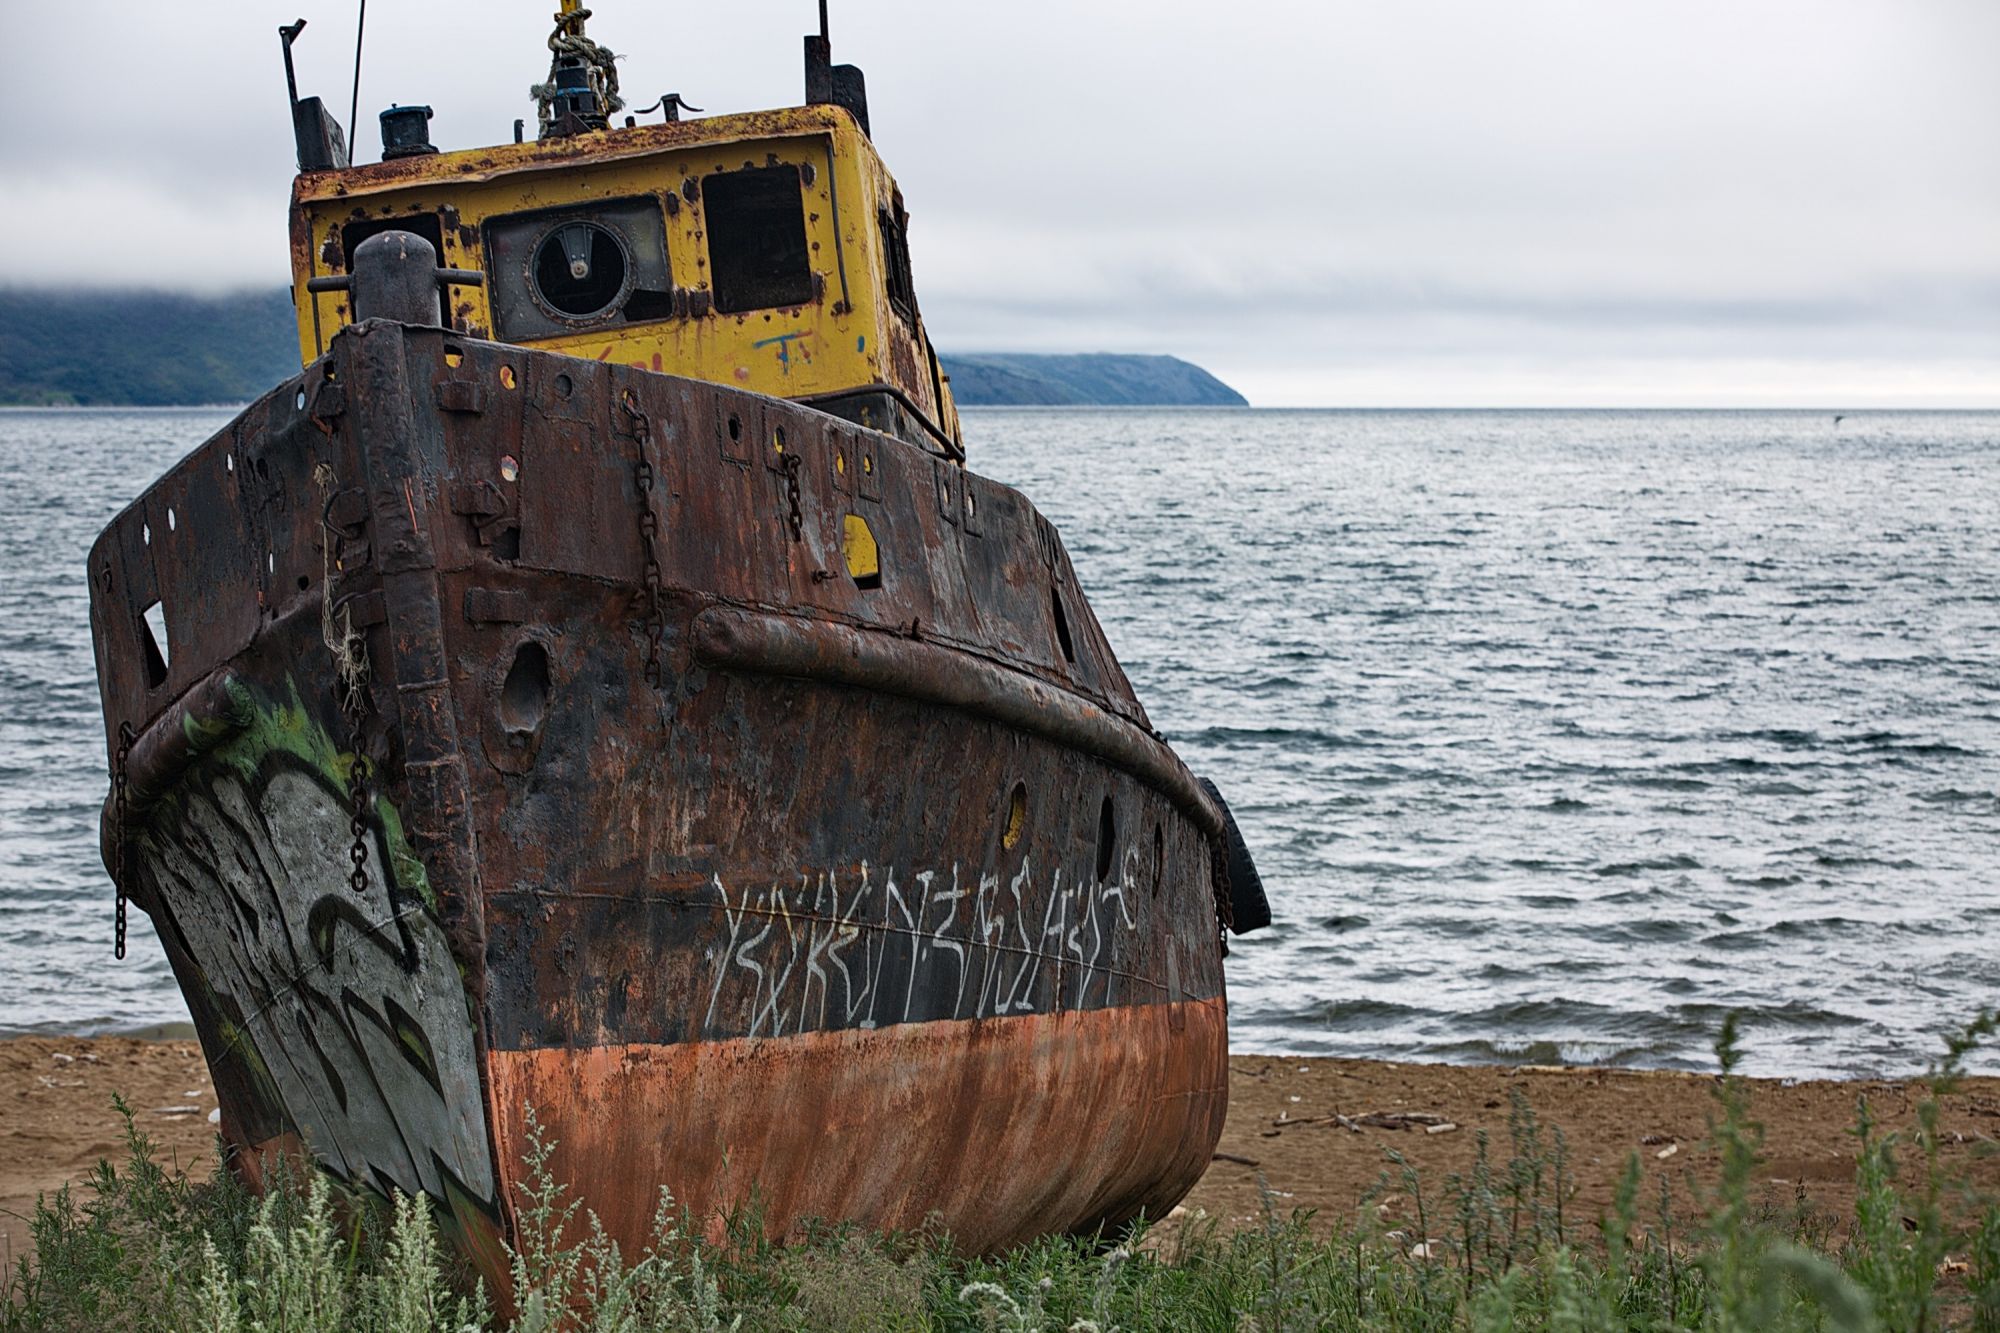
[[1249, 909]]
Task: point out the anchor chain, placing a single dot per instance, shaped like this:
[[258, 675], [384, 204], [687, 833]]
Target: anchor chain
[[351, 677], [795, 518], [119, 786], [357, 790], [349, 651], [643, 478]]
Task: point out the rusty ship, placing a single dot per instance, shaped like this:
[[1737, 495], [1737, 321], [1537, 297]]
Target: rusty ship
[[595, 693]]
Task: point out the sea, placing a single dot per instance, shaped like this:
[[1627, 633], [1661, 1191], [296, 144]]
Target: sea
[[1558, 736]]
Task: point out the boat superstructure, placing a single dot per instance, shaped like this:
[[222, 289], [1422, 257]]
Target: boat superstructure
[[767, 250], [584, 697]]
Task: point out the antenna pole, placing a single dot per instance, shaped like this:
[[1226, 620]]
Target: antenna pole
[[289, 33], [354, 101], [822, 20]]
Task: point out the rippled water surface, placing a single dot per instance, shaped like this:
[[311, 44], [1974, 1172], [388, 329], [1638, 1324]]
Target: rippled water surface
[[1557, 735]]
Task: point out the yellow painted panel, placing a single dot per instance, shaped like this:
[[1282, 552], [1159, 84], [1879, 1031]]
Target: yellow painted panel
[[858, 549]]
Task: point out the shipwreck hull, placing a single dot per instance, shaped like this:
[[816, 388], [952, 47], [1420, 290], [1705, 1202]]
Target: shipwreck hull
[[830, 863]]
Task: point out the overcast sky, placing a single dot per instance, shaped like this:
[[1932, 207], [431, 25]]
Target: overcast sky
[[1352, 202]]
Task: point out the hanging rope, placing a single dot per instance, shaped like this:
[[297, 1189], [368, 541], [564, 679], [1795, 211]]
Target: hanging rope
[[568, 44]]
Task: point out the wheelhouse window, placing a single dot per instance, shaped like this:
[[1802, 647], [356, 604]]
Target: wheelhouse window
[[557, 271], [579, 268], [757, 253], [895, 224]]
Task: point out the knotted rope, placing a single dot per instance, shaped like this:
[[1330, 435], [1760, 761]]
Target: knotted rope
[[568, 40]]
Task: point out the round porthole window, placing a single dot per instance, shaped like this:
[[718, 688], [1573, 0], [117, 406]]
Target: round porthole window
[[580, 270]]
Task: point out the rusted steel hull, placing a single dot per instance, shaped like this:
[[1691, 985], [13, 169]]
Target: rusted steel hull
[[1020, 1126], [871, 895]]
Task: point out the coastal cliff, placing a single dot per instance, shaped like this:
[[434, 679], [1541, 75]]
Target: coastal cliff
[[1090, 379], [161, 349]]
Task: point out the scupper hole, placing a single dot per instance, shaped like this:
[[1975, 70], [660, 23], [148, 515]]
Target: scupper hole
[[1017, 816], [860, 553], [153, 642], [1062, 626], [524, 695], [1107, 838]]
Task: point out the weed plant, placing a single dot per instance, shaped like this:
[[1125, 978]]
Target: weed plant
[[140, 1247]]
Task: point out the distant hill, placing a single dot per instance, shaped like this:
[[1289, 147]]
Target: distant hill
[[1098, 378], [155, 349]]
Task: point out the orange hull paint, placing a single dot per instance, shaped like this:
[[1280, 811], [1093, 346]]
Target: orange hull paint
[[999, 1129]]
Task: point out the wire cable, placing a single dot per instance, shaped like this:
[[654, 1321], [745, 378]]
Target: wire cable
[[354, 101]]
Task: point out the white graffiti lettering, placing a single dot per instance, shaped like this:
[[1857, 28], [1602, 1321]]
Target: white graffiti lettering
[[788, 960]]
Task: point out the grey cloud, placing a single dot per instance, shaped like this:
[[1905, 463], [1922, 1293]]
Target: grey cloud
[[1542, 189]]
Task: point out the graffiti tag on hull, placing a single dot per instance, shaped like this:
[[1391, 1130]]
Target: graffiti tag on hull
[[350, 1003]]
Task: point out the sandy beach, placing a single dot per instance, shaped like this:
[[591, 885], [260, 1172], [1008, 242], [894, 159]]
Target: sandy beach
[[1282, 1117], [1318, 1131], [57, 1120]]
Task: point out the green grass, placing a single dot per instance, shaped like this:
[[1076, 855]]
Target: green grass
[[1495, 1248]]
